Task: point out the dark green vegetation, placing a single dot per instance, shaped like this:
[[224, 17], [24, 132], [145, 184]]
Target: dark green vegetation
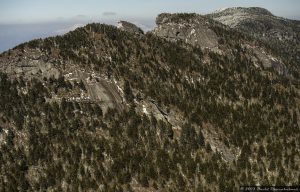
[[72, 146]]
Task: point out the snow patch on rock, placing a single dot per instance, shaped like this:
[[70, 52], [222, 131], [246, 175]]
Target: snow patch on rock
[[145, 110]]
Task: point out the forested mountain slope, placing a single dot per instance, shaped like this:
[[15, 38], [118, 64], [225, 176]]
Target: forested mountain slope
[[104, 109], [280, 34]]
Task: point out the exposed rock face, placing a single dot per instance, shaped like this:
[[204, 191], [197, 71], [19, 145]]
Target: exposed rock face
[[99, 88], [34, 63], [29, 63], [190, 28], [129, 27]]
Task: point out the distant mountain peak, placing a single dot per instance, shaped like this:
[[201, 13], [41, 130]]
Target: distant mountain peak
[[248, 10], [259, 22]]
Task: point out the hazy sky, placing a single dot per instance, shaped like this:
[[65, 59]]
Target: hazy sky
[[31, 11], [22, 20]]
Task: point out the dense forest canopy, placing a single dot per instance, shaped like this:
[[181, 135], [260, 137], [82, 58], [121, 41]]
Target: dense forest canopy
[[51, 143]]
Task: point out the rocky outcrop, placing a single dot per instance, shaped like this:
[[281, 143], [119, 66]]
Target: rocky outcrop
[[29, 63], [130, 27], [190, 28], [34, 63]]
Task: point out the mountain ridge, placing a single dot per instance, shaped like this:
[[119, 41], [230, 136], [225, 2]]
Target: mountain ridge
[[102, 108], [280, 34], [250, 10]]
